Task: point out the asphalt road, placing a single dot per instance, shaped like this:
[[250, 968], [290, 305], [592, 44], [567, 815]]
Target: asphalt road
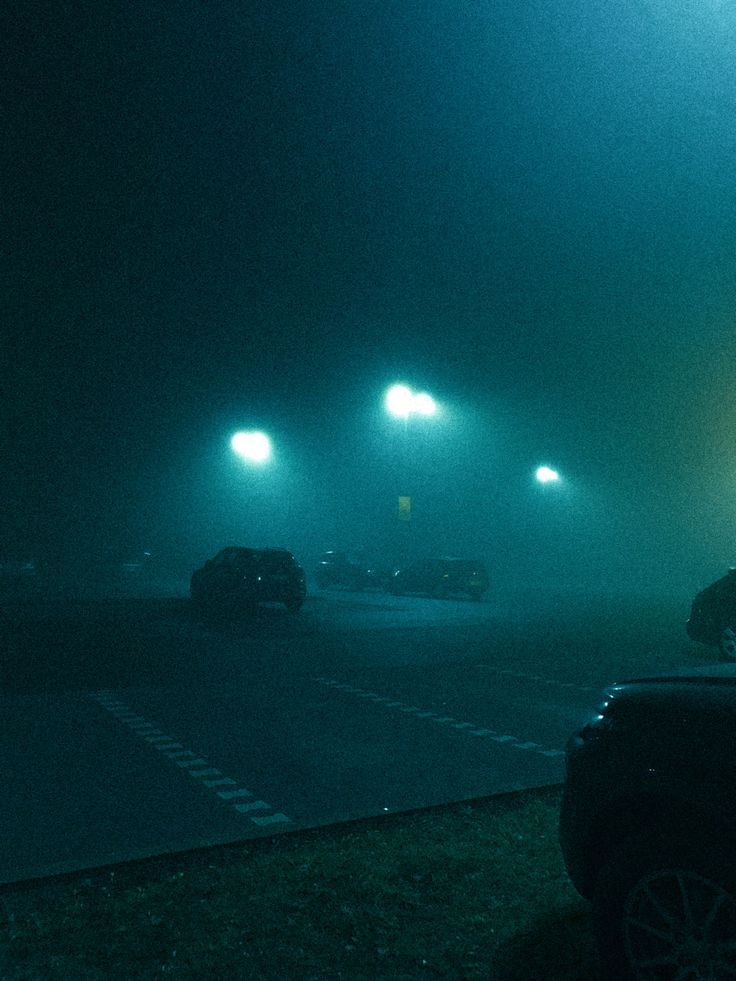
[[133, 728]]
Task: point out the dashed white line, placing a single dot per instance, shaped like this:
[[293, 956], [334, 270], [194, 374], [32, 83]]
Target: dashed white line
[[190, 762], [550, 682], [277, 818], [467, 727], [256, 805]]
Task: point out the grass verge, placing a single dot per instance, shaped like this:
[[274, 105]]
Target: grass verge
[[466, 891]]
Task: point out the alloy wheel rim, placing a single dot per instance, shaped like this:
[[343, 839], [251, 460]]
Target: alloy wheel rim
[[680, 926]]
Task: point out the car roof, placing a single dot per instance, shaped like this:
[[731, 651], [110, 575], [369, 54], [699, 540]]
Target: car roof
[[247, 552], [455, 559]]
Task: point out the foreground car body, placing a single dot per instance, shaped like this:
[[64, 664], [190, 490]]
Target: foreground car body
[[713, 616], [648, 826], [441, 578], [238, 578]]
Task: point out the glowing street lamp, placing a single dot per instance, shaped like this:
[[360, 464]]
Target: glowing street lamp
[[402, 402], [254, 447], [546, 475], [423, 404]]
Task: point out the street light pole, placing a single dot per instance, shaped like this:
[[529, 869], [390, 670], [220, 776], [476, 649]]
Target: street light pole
[[401, 402], [253, 448]]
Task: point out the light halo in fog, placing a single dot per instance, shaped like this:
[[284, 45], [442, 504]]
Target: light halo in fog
[[252, 446]]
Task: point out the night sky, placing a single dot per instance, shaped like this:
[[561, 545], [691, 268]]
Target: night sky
[[223, 216]]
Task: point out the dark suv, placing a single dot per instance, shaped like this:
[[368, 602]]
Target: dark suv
[[441, 578], [342, 570], [648, 825], [238, 578], [713, 616]]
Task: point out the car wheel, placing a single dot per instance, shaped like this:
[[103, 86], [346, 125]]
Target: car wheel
[[665, 907], [727, 644]]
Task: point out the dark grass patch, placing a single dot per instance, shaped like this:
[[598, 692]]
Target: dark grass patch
[[467, 891]]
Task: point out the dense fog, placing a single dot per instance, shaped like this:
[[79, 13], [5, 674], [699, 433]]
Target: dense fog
[[231, 218]]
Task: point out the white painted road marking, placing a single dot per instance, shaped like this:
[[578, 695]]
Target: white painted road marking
[[233, 794], [277, 818], [188, 761], [549, 682], [256, 805], [466, 727]]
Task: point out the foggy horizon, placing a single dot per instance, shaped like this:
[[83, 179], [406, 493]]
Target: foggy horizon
[[260, 219]]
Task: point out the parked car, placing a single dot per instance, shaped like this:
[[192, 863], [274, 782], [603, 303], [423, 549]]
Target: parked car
[[441, 577], [342, 570], [648, 825], [713, 616], [238, 578]]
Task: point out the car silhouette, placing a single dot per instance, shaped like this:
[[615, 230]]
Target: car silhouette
[[238, 578], [342, 570], [713, 616], [648, 825], [441, 577]]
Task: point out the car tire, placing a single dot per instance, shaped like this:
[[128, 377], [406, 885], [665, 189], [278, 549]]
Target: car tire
[[665, 907], [727, 644]]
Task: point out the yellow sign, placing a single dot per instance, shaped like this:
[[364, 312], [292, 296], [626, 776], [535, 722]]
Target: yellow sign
[[404, 509]]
